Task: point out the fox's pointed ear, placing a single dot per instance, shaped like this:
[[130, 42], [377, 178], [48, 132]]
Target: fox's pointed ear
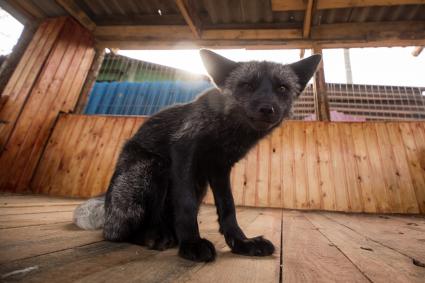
[[306, 68], [217, 66]]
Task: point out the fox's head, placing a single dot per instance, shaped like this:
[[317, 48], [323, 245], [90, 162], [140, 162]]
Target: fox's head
[[261, 92]]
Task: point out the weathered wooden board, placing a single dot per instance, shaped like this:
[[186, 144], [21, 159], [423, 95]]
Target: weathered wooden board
[[310, 246], [23, 242], [404, 237], [33, 219], [86, 169], [308, 256], [24, 77], [236, 268], [369, 167], [380, 263], [47, 81]]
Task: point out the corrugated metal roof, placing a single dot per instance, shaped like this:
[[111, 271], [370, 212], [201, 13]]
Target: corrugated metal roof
[[370, 14], [221, 12], [145, 18]]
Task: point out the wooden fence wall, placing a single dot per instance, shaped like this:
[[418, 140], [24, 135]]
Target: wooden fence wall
[[48, 80], [369, 167]]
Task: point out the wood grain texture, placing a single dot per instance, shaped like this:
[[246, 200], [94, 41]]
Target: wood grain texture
[[24, 77], [380, 263], [310, 246], [353, 167], [312, 257], [405, 237], [55, 66], [29, 241]]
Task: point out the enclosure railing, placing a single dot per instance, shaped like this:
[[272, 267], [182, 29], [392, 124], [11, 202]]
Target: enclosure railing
[[128, 86]]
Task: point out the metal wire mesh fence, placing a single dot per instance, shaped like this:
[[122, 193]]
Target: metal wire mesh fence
[[128, 86], [375, 102]]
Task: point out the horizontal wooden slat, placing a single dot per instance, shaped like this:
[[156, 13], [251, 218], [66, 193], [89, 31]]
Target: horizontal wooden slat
[[257, 34], [23, 242], [368, 34], [304, 165]]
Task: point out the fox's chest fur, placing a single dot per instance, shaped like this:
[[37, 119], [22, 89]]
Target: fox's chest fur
[[213, 134]]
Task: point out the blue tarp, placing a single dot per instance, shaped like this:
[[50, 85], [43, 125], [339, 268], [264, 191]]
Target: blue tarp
[[145, 98]]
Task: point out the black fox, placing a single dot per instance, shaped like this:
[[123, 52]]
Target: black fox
[[163, 171]]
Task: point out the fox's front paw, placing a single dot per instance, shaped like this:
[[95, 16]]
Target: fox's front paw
[[201, 250], [257, 246]]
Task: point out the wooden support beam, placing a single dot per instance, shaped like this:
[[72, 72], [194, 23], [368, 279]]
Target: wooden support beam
[[182, 33], [361, 32], [307, 19], [141, 44], [417, 51], [77, 13], [299, 5], [190, 17], [146, 32], [347, 35], [370, 31], [251, 34], [321, 103], [90, 81], [302, 53]]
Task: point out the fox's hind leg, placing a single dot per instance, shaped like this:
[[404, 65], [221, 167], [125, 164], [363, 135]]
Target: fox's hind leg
[[158, 231], [125, 204], [135, 203]]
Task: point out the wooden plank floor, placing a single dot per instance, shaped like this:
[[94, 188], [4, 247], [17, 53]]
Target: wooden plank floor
[[38, 243]]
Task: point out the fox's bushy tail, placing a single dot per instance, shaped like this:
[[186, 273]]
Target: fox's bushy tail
[[90, 215]]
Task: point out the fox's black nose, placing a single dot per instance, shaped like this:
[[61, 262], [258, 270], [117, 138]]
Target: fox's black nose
[[266, 110]]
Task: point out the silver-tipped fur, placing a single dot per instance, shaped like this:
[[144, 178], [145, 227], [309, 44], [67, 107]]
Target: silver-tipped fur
[[90, 215]]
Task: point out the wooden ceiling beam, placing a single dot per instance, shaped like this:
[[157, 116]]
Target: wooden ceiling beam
[[252, 44], [169, 32], [190, 17], [77, 13], [370, 31], [298, 5], [349, 35], [403, 30], [166, 32], [307, 19], [251, 34]]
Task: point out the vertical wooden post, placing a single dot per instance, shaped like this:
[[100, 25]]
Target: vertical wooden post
[[321, 103], [90, 80], [347, 62]]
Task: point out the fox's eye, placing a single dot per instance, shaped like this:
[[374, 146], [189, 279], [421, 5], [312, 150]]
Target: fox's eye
[[248, 86], [281, 88]]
